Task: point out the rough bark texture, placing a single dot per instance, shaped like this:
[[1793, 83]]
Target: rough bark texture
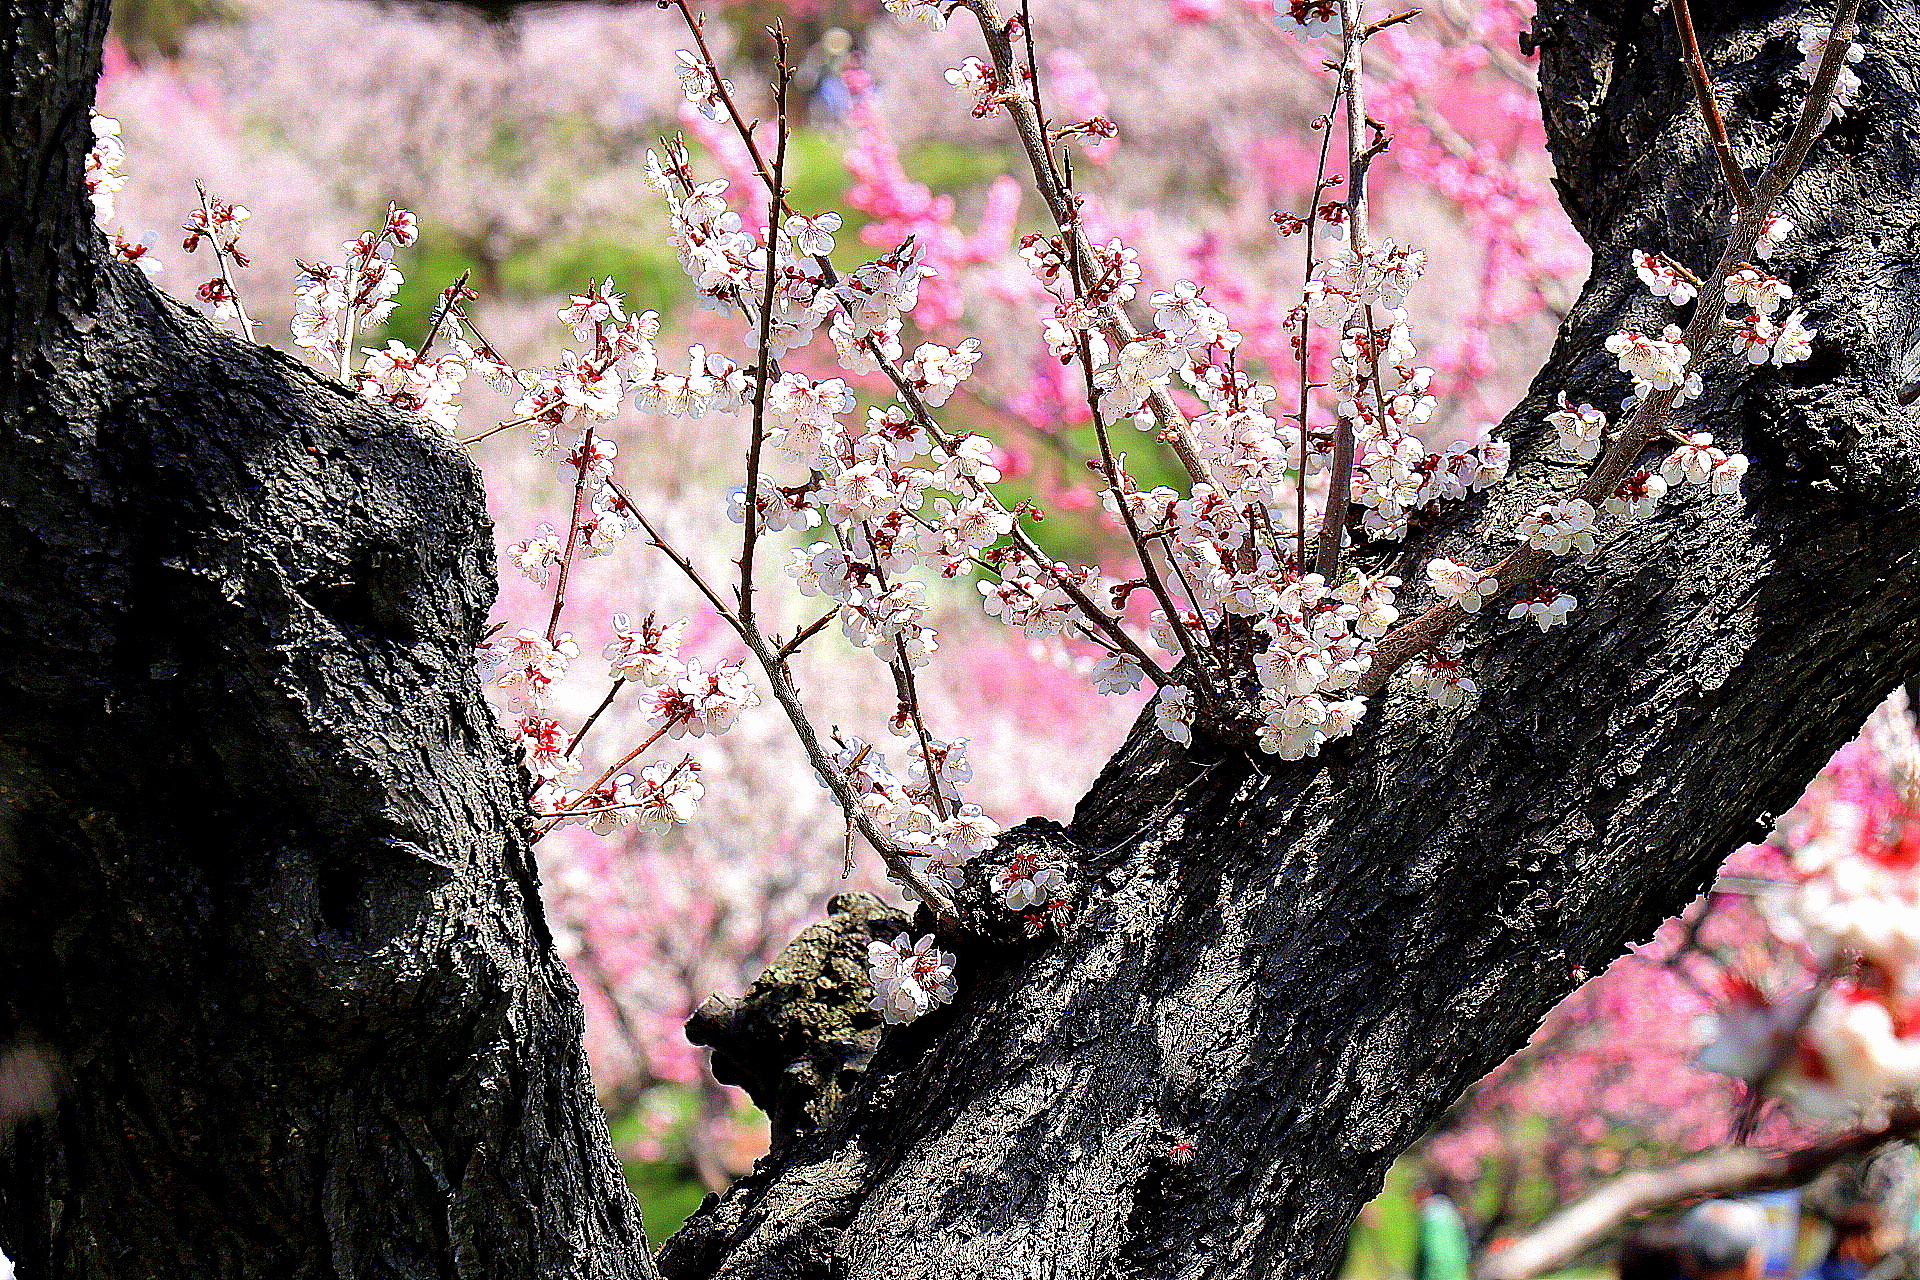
[[264, 888], [264, 884], [1279, 975]]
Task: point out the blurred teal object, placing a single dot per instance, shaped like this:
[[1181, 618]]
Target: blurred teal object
[[1441, 1250]]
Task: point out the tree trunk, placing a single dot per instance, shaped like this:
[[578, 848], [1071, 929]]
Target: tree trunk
[[265, 886], [265, 889]]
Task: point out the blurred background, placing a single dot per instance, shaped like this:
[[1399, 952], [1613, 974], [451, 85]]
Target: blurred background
[[1768, 1028]]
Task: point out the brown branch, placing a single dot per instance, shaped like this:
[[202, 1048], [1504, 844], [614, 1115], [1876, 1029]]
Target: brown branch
[[764, 346], [1710, 106], [1731, 1171]]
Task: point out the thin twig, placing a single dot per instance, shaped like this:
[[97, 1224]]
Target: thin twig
[[220, 258], [1333, 522], [573, 534], [594, 719], [1710, 106], [765, 342], [450, 298]]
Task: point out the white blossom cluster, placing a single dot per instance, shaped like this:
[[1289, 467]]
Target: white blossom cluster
[[1814, 39], [922, 812], [333, 303], [932, 12], [976, 82], [662, 796], [702, 88], [1228, 539], [684, 701], [1025, 884], [103, 179], [426, 384], [527, 665], [1443, 678], [1697, 462], [1665, 277], [1656, 364], [869, 486], [102, 166], [1560, 528], [1305, 19], [910, 977]]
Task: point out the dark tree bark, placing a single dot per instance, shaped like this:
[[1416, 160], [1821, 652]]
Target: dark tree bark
[[267, 893], [265, 887]]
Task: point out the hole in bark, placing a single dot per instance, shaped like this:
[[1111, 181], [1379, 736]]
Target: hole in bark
[[337, 893]]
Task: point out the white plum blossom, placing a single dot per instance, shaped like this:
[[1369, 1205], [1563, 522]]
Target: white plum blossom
[[935, 371], [1459, 584], [649, 653], [697, 703], [1754, 336], [812, 235], [427, 385], [546, 747], [537, 556], [1582, 428], [960, 531], [1546, 607], [1773, 233], [102, 168], [1814, 39], [1173, 713], [1297, 727], [1305, 19], [1024, 885], [1656, 364], [1637, 496], [1795, 340], [586, 312], [975, 81], [1750, 286], [1665, 277], [666, 795], [1117, 673], [1697, 461], [931, 12], [1442, 678], [697, 82], [1560, 528], [526, 664], [910, 977]]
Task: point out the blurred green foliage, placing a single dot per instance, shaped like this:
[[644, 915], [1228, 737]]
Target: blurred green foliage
[[155, 28]]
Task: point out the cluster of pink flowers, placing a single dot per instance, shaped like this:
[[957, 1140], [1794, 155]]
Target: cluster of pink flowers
[[1847, 1042]]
